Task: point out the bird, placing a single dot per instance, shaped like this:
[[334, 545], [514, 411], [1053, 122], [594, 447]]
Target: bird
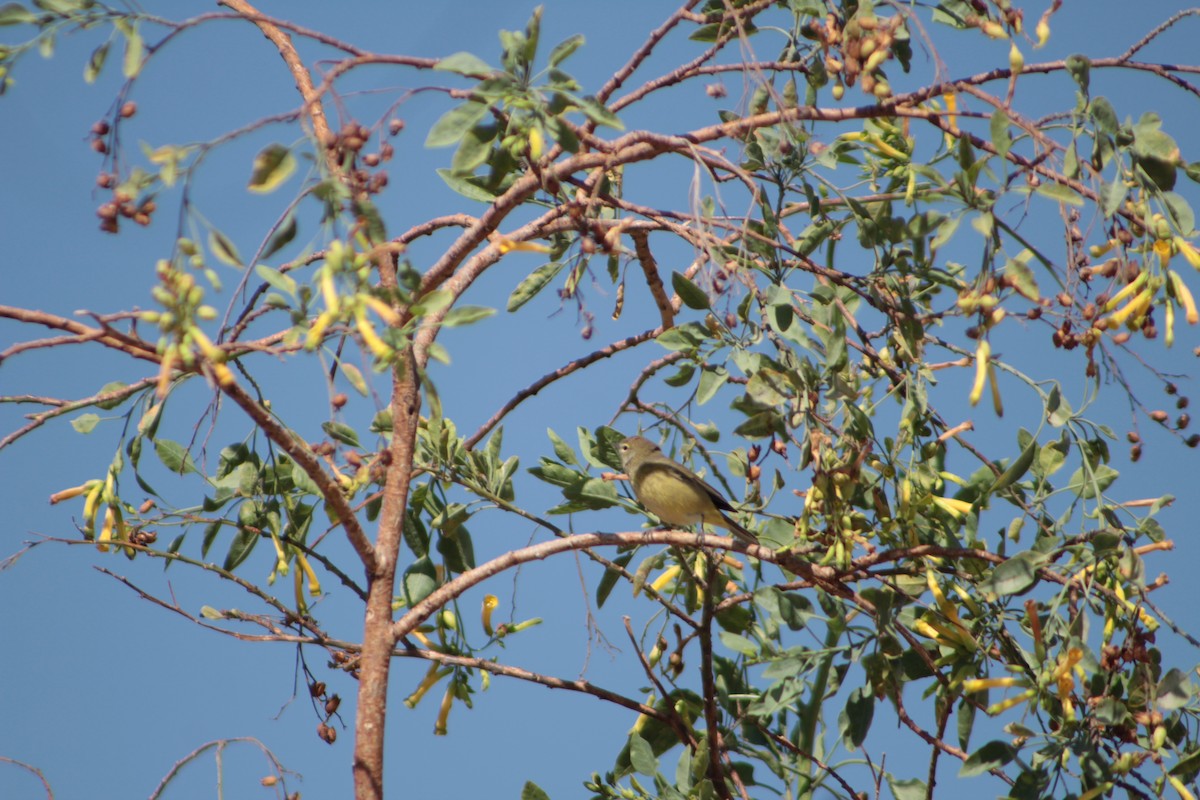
[[674, 493]]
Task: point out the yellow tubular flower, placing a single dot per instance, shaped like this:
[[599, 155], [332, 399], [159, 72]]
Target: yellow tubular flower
[[280, 557], [1190, 254], [91, 505], [314, 583], [320, 324], [1169, 336], [1162, 248], [507, 245], [983, 355], [979, 684], [1097, 791], [669, 574], [213, 353], [223, 374], [952, 119], [1005, 705], [1180, 787], [106, 531], [1184, 295], [997, 403], [1130, 311], [370, 337], [956, 508], [298, 591], [164, 372], [385, 312], [74, 491], [1127, 290], [536, 143], [329, 291], [1066, 661], [431, 678], [439, 727], [490, 602]]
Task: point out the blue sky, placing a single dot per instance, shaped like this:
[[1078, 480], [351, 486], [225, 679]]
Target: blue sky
[[103, 691]]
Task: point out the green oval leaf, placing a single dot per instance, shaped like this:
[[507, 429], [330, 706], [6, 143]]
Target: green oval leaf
[[272, 166]]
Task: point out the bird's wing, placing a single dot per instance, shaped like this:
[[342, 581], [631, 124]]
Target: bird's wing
[[718, 499]]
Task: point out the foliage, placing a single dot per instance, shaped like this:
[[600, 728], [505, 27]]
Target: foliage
[[891, 265]]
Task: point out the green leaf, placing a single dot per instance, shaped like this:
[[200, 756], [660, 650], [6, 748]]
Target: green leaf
[[1022, 279], [909, 789], [240, 548], [711, 380], [84, 423], [419, 581], [1080, 68], [455, 124], [273, 165], [641, 756], [1089, 484], [174, 456], [610, 577], [283, 236], [855, 719], [1001, 139], [223, 249], [1181, 212], [276, 279], [682, 337], [134, 49], [467, 188], [1104, 115], [474, 149], [533, 283], [738, 643], [565, 48], [464, 63], [112, 386], [1016, 470], [1175, 690], [597, 113], [433, 302], [465, 315], [691, 294], [991, 756], [341, 432], [562, 451], [1014, 576], [1111, 196], [91, 70], [16, 14], [355, 377], [531, 791], [1060, 193]]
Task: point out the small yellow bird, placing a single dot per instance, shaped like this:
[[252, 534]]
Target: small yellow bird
[[672, 492]]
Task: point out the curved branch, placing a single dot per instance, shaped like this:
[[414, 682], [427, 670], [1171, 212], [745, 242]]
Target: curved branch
[[550, 377]]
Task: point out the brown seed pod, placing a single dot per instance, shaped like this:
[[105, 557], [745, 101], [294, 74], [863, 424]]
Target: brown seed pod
[[340, 399], [129, 109], [1158, 415], [317, 689], [331, 705]]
